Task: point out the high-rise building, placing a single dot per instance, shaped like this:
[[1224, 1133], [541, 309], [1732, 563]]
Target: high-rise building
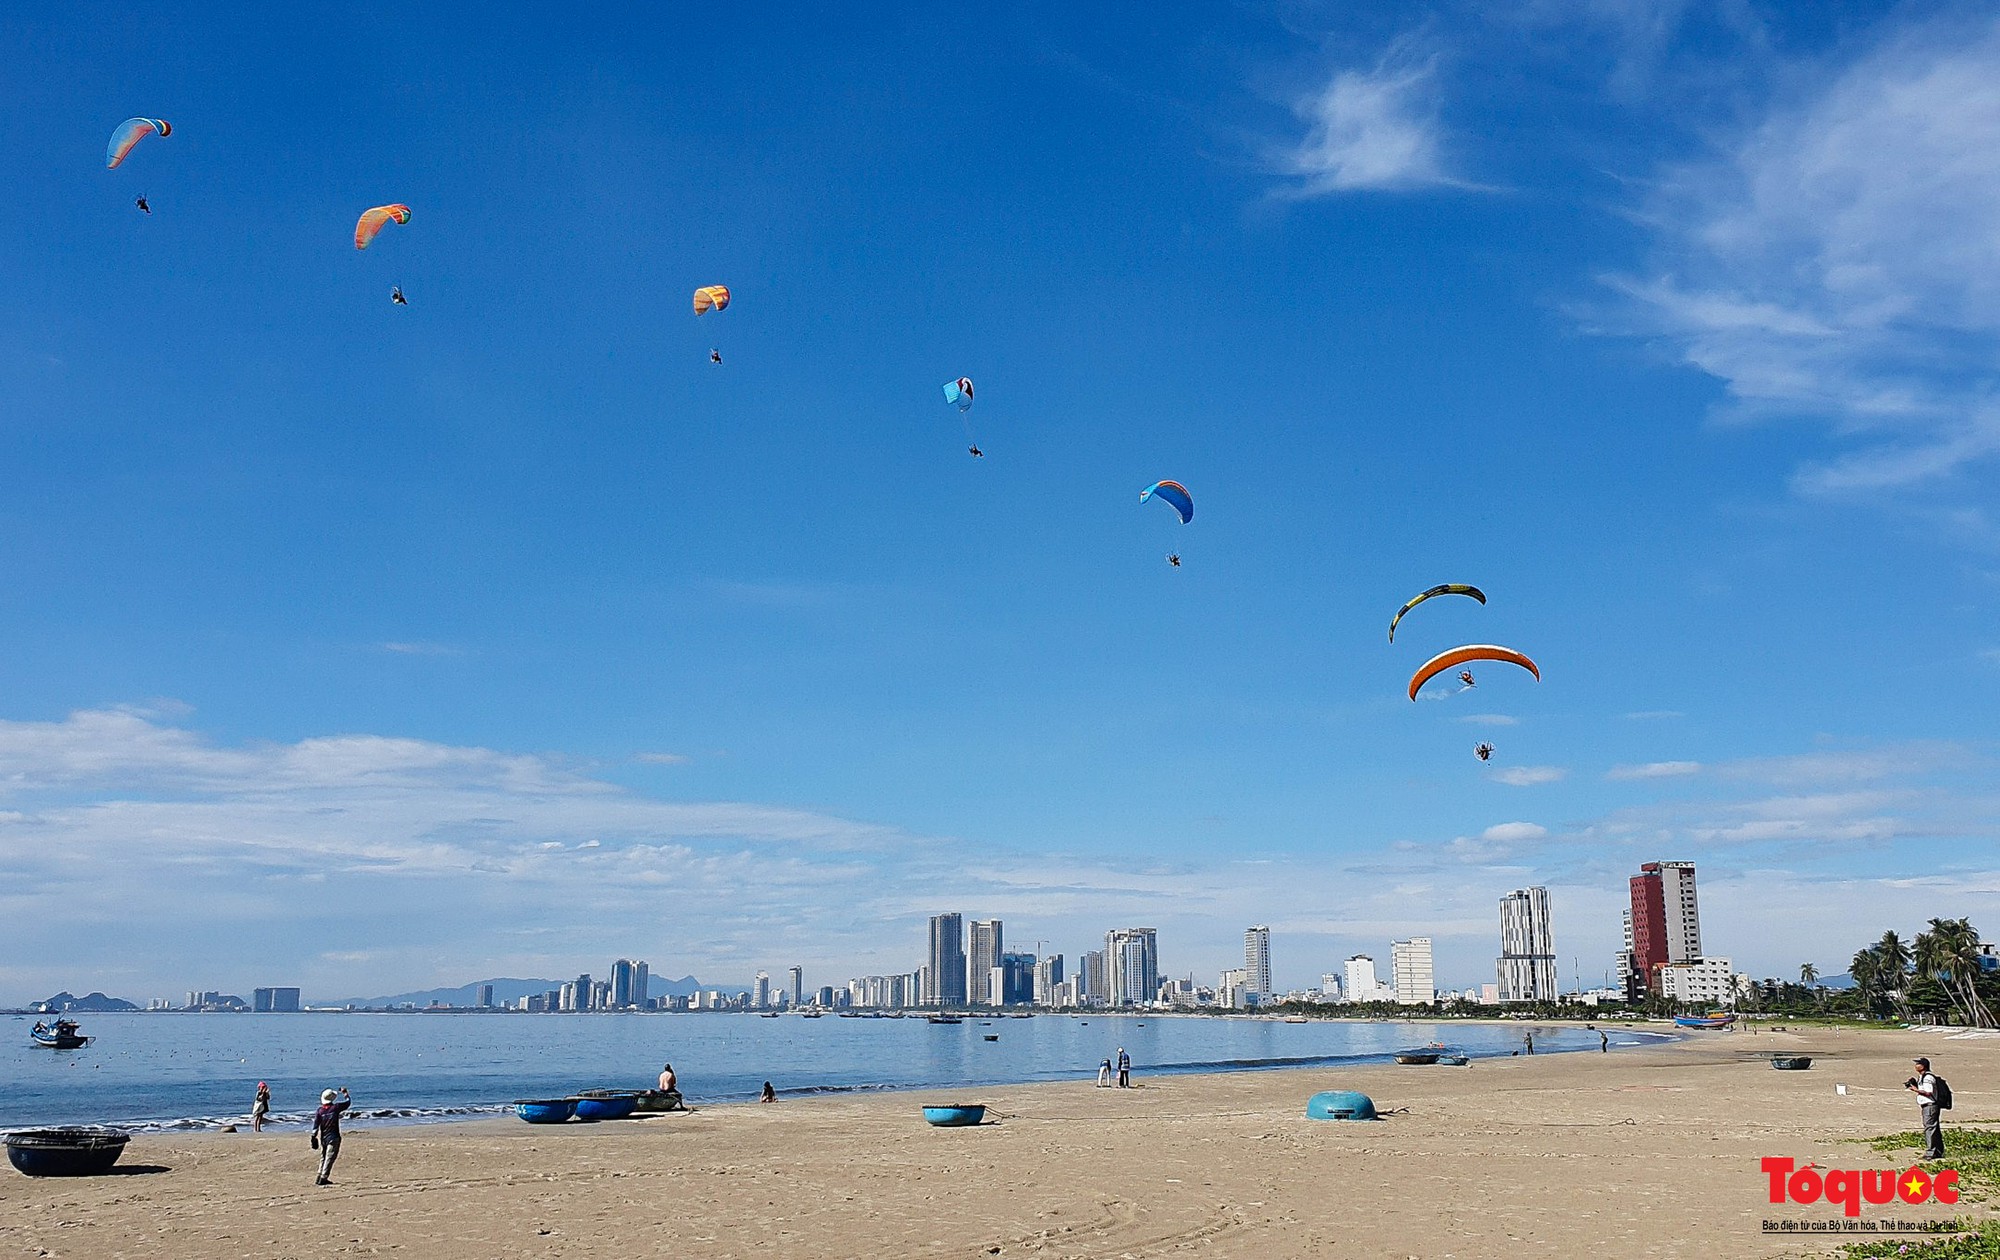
[[1329, 985], [946, 981], [1362, 986], [642, 984], [1132, 964], [485, 997], [1666, 921], [1410, 971], [273, 999], [620, 996], [1048, 979], [796, 976], [1017, 980], [982, 955], [1257, 960], [760, 991], [1232, 989], [584, 990], [1093, 981], [1527, 962]]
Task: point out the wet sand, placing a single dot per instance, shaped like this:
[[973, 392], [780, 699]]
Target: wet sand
[[1648, 1152]]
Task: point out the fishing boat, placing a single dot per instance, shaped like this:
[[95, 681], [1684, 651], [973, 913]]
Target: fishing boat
[[1421, 1056], [1791, 1062], [810, 1015], [942, 1019], [768, 1015], [992, 1036], [62, 1035], [1714, 1019], [1295, 1019]]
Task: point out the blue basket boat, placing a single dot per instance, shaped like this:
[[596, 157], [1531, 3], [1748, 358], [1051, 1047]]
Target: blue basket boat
[[605, 1104], [1340, 1104], [957, 1115], [1791, 1062], [546, 1110], [67, 1152]]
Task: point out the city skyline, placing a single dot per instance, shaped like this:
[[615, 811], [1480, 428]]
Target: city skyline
[[380, 644]]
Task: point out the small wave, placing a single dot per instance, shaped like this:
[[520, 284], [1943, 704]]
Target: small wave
[[299, 1120], [804, 1091]]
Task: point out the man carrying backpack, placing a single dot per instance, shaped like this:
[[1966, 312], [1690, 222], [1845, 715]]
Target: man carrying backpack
[[1933, 1096]]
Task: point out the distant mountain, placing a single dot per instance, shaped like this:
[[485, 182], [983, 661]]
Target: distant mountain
[[88, 1002], [506, 991]]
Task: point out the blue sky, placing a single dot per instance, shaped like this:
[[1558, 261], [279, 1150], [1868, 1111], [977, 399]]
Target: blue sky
[[367, 648]]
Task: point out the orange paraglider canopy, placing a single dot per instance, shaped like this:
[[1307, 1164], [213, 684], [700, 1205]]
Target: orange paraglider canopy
[[711, 297], [1470, 652]]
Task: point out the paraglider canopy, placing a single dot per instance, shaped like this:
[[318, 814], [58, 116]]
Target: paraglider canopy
[[370, 224], [711, 297], [131, 132], [1470, 652], [959, 392], [1449, 588], [1174, 494]]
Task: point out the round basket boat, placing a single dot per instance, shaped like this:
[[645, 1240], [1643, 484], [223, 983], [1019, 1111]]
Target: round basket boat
[[956, 1115], [545, 1110], [65, 1152], [1791, 1062], [605, 1104], [1340, 1104]]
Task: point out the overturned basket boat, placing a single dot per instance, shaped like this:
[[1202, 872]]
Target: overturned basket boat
[[1791, 1062], [74, 1151]]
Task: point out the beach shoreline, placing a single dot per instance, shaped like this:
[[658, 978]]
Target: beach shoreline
[[1652, 1151]]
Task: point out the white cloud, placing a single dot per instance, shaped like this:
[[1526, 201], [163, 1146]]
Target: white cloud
[[1654, 770], [1490, 719], [1514, 832], [1371, 130], [1841, 260], [1529, 776]]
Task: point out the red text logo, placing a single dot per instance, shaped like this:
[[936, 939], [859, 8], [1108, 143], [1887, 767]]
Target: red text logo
[[1850, 1188]]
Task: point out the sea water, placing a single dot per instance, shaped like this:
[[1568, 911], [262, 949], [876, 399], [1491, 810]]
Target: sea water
[[167, 1071]]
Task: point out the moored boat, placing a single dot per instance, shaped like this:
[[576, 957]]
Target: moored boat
[[1422, 1056], [62, 1035], [955, 1115], [942, 1019], [1715, 1019]]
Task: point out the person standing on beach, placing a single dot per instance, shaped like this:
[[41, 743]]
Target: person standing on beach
[[1925, 1086], [1124, 1069], [1530, 1039], [326, 1131], [1603, 1042], [261, 1108]]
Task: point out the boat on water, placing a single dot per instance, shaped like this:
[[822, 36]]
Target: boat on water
[[810, 1015], [1714, 1019], [768, 1015], [62, 1035], [1295, 1019], [942, 1019]]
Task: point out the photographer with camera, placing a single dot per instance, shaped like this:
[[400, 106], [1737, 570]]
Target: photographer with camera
[[1933, 1097]]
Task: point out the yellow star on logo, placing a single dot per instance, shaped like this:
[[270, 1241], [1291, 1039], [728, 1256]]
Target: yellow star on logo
[[1913, 1185]]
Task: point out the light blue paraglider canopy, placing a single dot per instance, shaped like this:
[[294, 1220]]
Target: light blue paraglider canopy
[[1175, 494]]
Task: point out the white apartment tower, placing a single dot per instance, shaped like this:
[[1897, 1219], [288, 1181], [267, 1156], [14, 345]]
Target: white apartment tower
[[1257, 960], [1132, 965], [1362, 986], [1410, 971], [1683, 915], [982, 959], [760, 992], [1527, 962], [796, 977]]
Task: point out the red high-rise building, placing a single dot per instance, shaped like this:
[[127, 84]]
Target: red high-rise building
[[1649, 923]]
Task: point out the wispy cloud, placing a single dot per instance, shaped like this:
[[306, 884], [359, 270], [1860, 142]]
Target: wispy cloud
[[1490, 719], [1372, 130], [1529, 776], [1841, 260], [661, 758], [1654, 770], [1514, 832], [412, 648]]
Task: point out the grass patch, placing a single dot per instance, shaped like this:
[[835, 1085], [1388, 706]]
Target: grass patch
[[1974, 1152], [1982, 1242]]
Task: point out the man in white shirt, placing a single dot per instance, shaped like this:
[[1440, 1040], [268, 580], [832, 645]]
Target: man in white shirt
[[1924, 1086]]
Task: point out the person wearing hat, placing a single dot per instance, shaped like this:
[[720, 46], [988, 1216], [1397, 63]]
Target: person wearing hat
[[261, 1108], [1924, 1085], [326, 1131]]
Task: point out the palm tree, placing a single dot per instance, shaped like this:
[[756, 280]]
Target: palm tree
[[1866, 972], [1808, 975], [1949, 954], [1894, 959]]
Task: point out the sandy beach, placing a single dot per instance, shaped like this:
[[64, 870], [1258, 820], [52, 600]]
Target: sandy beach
[[1650, 1152]]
